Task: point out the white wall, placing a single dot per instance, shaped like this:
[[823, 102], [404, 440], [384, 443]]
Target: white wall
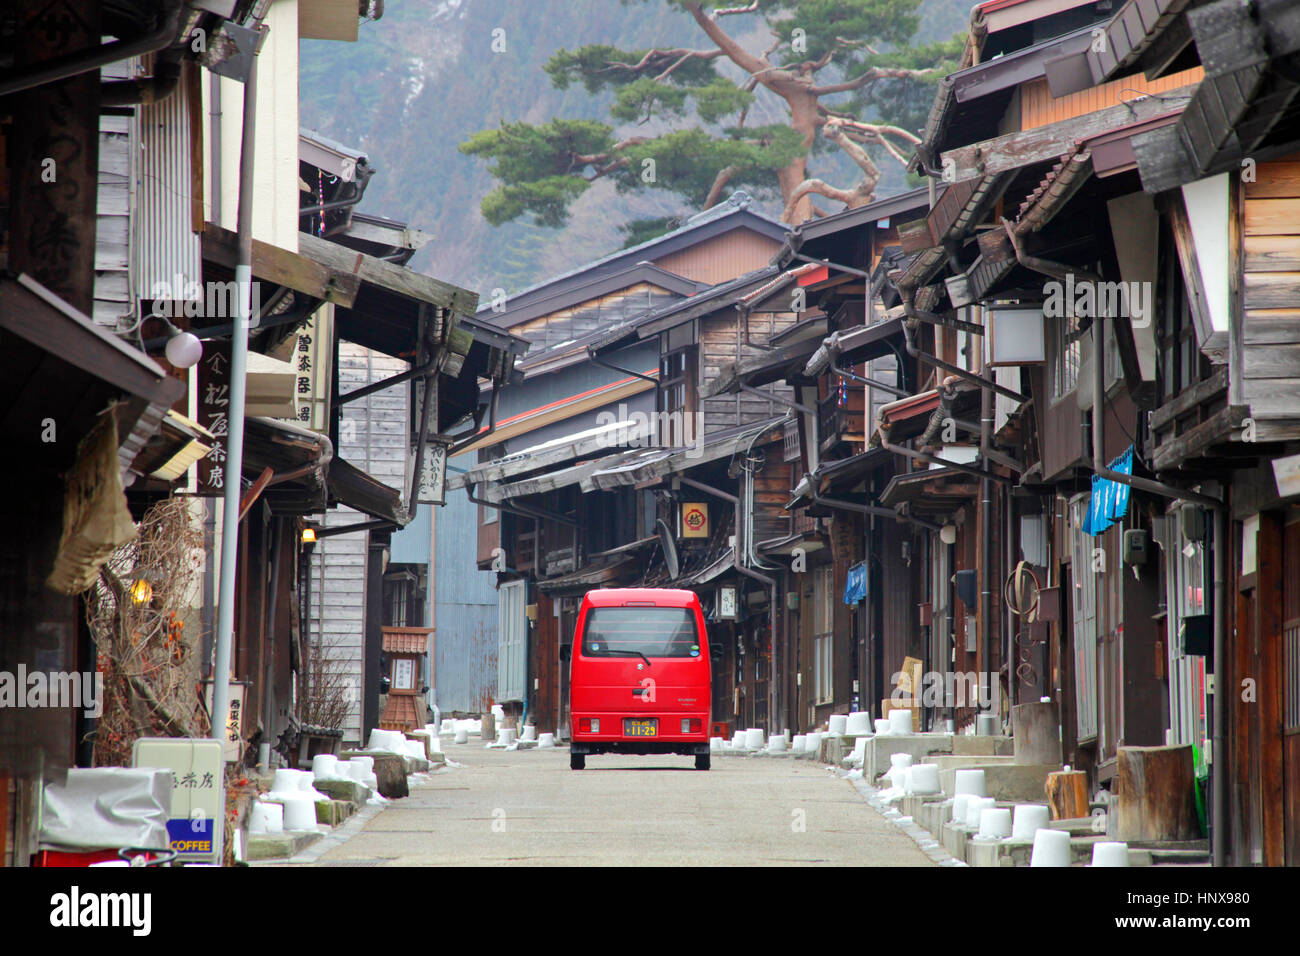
[[275, 192]]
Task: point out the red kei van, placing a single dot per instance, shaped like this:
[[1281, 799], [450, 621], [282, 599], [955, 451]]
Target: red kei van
[[639, 675]]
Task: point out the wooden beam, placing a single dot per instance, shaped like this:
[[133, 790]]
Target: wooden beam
[[254, 492], [395, 278], [289, 269], [1189, 398], [1217, 428], [1015, 150]]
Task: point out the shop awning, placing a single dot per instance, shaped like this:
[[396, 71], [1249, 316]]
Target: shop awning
[[350, 486], [591, 576], [57, 364], [937, 492], [781, 364], [636, 468], [854, 346]]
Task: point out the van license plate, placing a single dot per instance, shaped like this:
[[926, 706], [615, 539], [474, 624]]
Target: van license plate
[[641, 728]]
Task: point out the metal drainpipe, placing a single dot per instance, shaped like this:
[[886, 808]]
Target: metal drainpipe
[[238, 390], [950, 661], [464, 443], [268, 675], [870, 510], [738, 551], [1218, 752], [986, 539], [214, 124]]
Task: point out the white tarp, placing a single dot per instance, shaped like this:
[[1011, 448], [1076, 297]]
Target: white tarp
[[108, 807]]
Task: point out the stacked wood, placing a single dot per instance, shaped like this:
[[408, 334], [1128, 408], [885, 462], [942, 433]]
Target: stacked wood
[[1157, 796]]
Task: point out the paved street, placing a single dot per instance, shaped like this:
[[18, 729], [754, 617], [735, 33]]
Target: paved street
[[527, 807]]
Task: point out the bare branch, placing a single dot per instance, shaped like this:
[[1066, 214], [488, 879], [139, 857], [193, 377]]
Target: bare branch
[[654, 59], [820, 188], [835, 133], [689, 55], [872, 134], [869, 77], [736, 53], [719, 183], [728, 11]]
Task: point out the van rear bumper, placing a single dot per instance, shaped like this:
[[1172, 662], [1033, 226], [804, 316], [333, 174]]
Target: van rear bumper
[[684, 747]]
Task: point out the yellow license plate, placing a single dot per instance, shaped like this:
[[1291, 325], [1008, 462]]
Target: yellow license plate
[[641, 728]]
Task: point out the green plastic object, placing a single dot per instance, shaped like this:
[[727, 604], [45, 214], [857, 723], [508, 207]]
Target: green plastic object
[[1201, 773]]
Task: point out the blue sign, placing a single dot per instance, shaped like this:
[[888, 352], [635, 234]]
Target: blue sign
[[190, 836], [855, 583], [1109, 500]]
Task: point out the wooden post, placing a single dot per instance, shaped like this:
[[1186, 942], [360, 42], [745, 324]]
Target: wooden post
[[1156, 796], [1270, 600], [1067, 794], [1036, 732]]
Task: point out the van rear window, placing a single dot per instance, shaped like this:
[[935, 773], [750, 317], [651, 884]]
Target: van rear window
[[652, 631]]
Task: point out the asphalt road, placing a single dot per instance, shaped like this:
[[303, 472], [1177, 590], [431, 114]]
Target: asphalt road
[[527, 808]]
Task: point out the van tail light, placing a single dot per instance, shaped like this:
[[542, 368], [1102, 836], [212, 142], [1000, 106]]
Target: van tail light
[[691, 725], [589, 725]]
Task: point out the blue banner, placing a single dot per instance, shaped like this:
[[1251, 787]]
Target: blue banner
[[855, 583], [1109, 500]]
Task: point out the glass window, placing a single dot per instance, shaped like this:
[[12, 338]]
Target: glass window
[[632, 631]]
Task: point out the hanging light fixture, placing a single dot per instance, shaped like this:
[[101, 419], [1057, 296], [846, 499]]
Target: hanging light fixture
[[141, 591], [183, 349]]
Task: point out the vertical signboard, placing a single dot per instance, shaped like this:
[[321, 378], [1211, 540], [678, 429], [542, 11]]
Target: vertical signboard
[[214, 415], [234, 736], [313, 358], [431, 489], [196, 823]]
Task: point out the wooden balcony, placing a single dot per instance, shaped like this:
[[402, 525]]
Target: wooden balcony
[[841, 423]]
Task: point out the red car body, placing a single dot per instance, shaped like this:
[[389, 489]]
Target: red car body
[[640, 675]]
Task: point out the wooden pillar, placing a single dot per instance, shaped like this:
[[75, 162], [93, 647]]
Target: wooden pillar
[[54, 153], [374, 632], [1269, 555]]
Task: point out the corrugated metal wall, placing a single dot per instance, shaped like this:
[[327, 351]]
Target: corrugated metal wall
[[166, 245], [465, 609], [115, 202]]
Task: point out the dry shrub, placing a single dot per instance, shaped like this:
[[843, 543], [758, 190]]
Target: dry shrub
[[150, 680]]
